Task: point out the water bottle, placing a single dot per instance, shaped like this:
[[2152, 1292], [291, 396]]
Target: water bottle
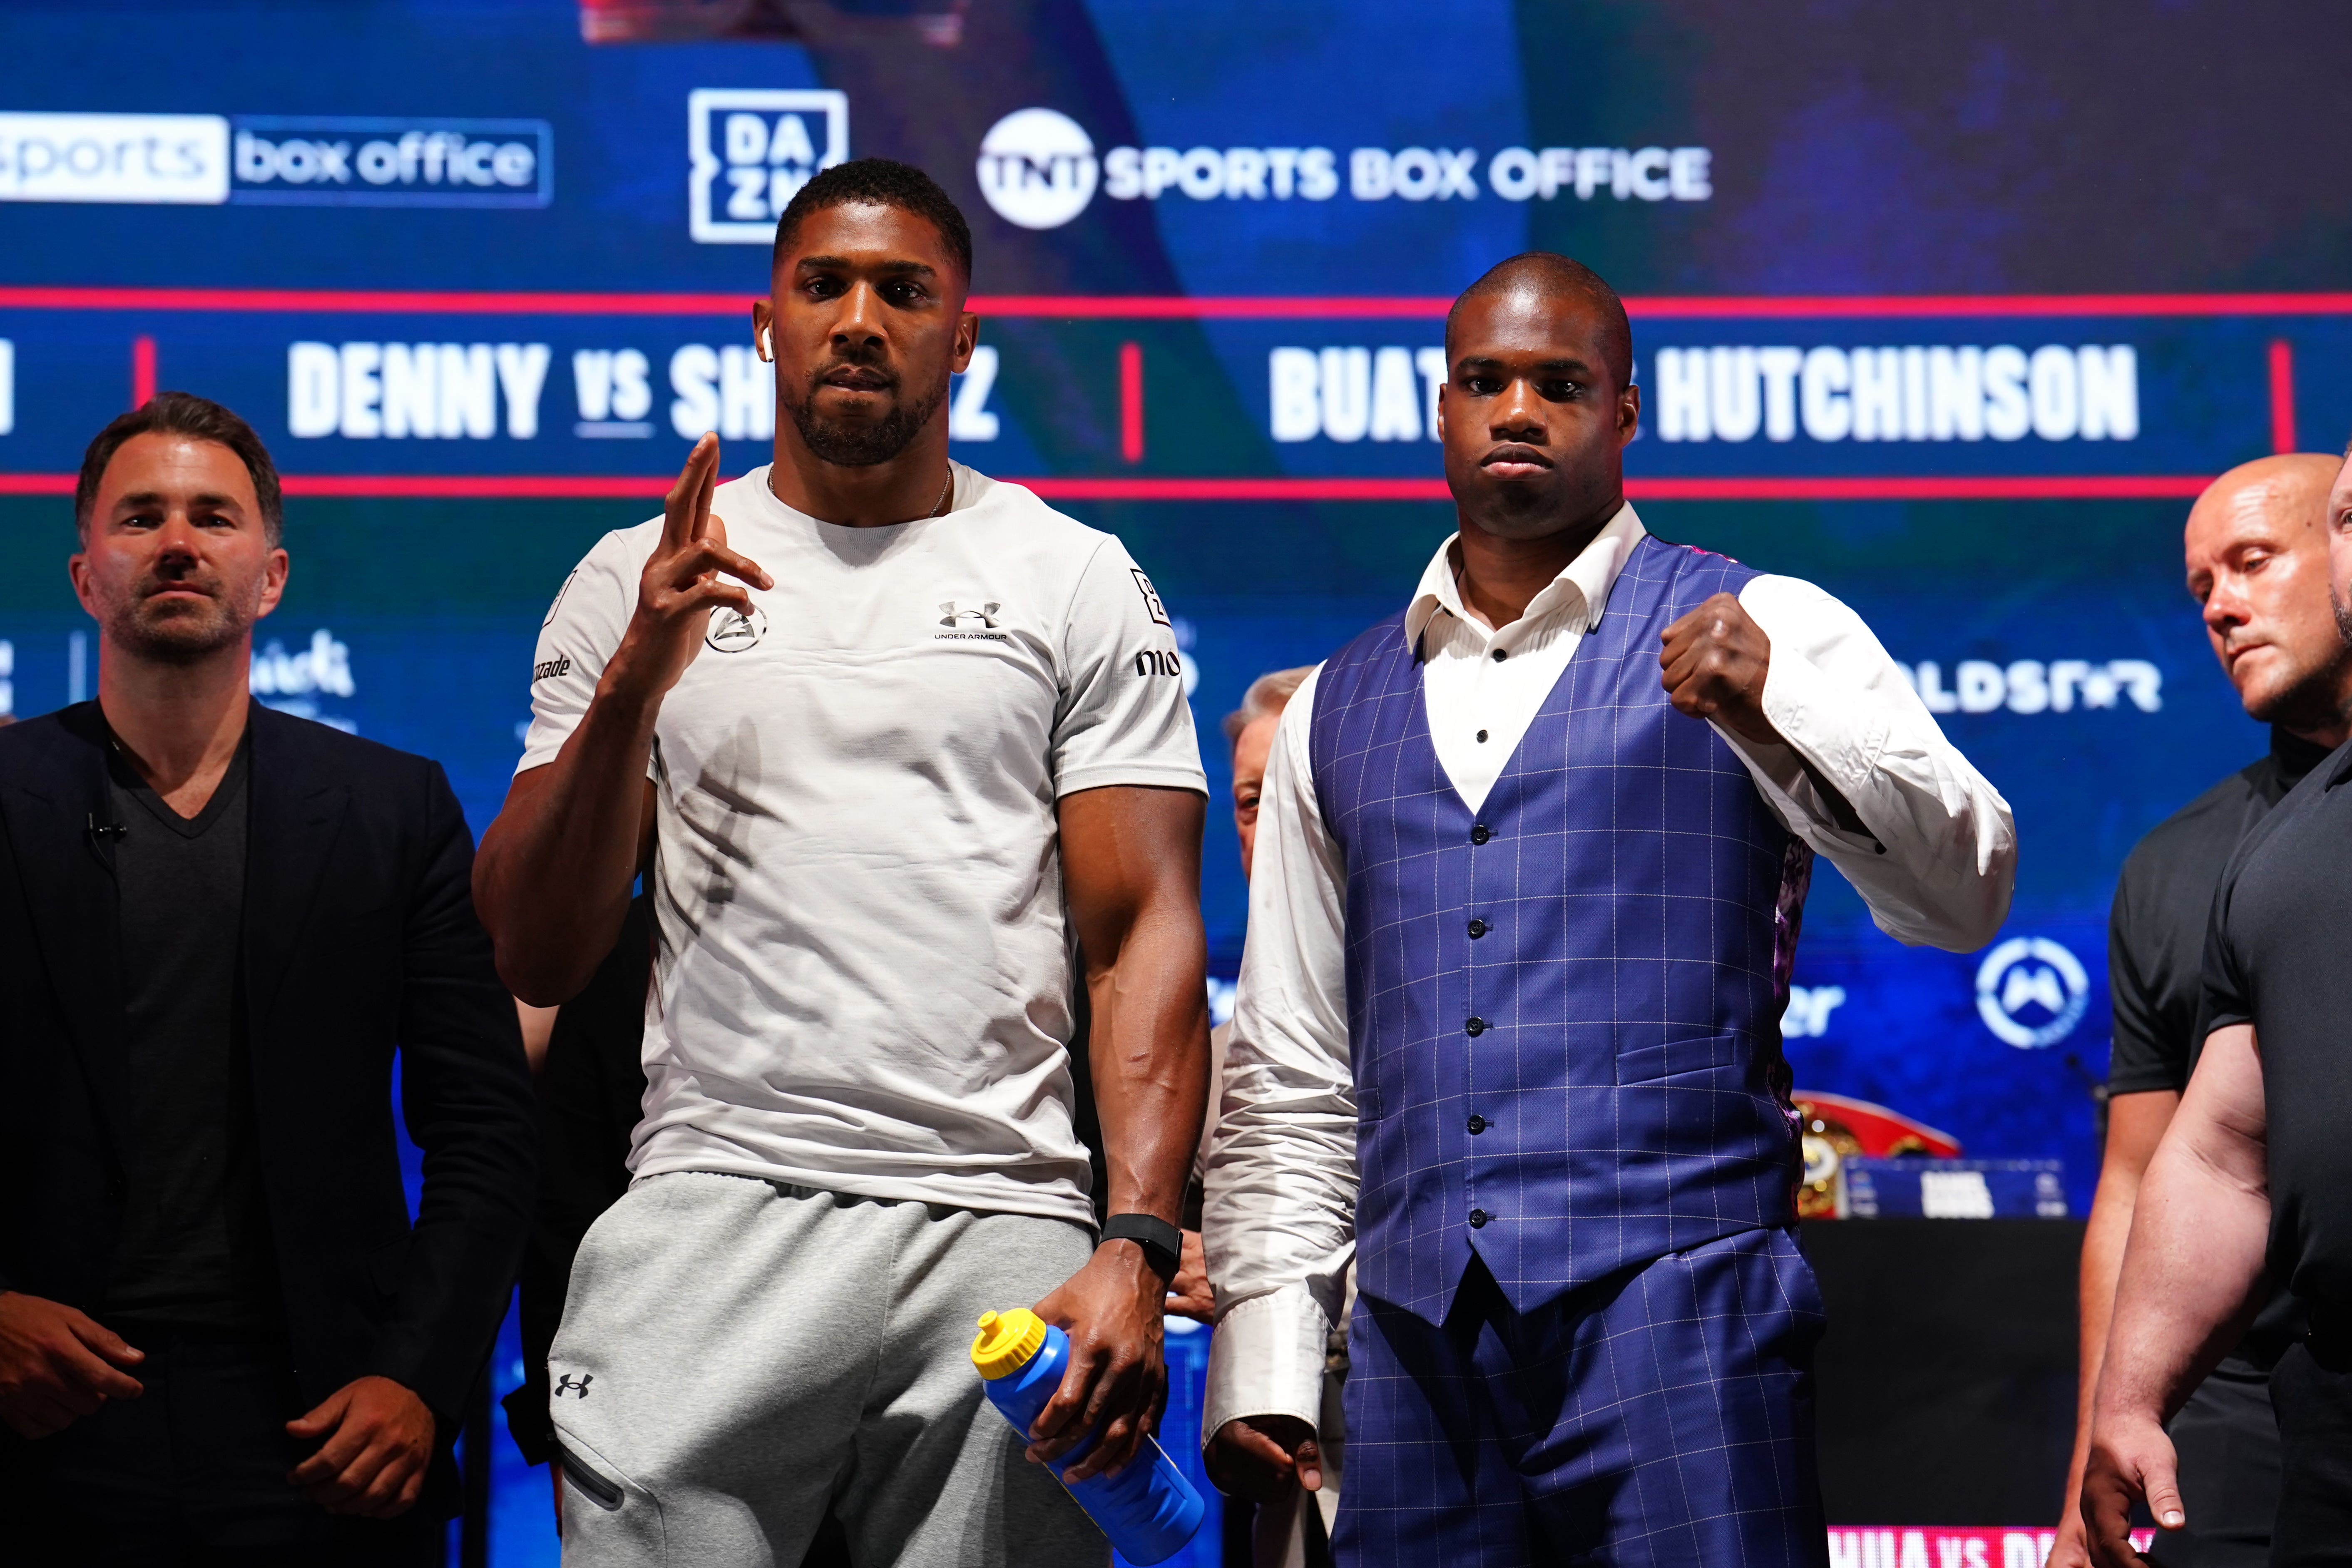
[[1148, 1510]]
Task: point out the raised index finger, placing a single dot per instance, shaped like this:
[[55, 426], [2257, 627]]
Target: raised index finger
[[687, 506]]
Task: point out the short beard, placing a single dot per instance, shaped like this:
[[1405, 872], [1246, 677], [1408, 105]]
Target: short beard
[[862, 445], [180, 641]]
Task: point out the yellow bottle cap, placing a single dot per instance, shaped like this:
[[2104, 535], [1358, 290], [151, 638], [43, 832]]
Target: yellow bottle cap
[[1006, 1341]]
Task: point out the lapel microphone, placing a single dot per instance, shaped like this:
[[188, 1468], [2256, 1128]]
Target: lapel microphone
[[99, 832]]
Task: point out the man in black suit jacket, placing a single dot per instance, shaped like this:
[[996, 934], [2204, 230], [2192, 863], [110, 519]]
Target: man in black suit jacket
[[221, 1338]]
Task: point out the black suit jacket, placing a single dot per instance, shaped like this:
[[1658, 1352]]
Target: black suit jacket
[[360, 938]]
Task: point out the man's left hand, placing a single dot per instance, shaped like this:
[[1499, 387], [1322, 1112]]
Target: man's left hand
[[1117, 1379], [378, 1440], [1189, 1295], [1714, 659]]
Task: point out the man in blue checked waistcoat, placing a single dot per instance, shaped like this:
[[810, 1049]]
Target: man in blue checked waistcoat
[[1530, 863]]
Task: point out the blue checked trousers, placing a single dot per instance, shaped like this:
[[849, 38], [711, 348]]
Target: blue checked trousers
[[1661, 1417]]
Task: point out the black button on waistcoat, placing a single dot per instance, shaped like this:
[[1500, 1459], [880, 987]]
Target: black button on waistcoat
[[1479, 928], [1479, 835], [1478, 1218], [1475, 1026], [1477, 1125]]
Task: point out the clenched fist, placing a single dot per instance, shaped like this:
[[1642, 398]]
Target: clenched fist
[[1714, 659]]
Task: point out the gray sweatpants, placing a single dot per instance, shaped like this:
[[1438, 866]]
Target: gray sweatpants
[[737, 1356]]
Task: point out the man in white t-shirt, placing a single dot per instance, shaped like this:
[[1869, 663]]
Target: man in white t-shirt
[[888, 739]]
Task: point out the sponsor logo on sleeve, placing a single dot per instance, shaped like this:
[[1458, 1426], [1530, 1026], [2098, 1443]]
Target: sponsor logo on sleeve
[[1152, 605], [549, 668], [752, 150], [557, 602]]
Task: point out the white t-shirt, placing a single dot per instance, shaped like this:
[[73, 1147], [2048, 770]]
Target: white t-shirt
[[862, 979]]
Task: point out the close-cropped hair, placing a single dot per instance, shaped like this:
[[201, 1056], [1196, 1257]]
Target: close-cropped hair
[[1268, 694], [1549, 269], [199, 419], [882, 183]]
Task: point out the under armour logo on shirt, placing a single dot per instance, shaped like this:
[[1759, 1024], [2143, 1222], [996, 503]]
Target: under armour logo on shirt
[[567, 1384], [985, 615]]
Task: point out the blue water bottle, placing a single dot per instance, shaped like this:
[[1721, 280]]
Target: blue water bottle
[[1148, 1510]]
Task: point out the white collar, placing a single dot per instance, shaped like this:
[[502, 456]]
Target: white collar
[[1589, 577]]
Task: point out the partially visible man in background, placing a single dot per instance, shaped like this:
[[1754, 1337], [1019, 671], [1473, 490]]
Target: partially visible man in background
[[2256, 547], [1293, 1533], [221, 1339]]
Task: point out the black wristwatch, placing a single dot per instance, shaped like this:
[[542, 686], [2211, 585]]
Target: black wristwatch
[[1163, 1244]]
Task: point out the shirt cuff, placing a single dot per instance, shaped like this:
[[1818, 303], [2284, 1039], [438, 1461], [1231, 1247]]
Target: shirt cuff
[[1266, 1358]]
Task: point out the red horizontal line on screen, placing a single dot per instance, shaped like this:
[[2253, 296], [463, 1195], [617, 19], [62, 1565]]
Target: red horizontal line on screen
[[630, 487], [1142, 307]]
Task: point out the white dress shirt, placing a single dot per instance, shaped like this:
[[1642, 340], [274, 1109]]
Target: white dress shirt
[[1936, 868]]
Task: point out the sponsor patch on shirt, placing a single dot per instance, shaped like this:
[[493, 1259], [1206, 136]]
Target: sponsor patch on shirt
[[732, 631], [967, 620], [1159, 612]]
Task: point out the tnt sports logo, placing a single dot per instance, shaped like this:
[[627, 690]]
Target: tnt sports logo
[[1037, 168], [2031, 992], [752, 150], [732, 631]]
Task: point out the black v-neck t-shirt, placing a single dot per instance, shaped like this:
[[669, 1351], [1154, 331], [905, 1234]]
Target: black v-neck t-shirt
[[2279, 956], [193, 1250]]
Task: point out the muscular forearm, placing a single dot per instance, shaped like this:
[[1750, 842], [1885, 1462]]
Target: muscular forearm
[[1132, 867], [2103, 1255], [2136, 1124], [554, 875], [2192, 1280], [1149, 1056]]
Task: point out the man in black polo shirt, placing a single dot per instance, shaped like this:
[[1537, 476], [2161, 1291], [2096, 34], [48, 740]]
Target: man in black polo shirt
[[2251, 1185], [2257, 556]]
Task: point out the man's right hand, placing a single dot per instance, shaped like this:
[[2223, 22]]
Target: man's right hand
[[682, 582], [2069, 1548], [56, 1365], [2131, 1458], [1262, 1458]]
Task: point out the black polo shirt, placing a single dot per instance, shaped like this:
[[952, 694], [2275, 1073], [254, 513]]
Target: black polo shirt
[[2164, 902], [2279, 956]]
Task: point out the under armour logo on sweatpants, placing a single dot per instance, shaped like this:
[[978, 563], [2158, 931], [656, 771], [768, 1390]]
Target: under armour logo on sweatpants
[[565, 1384]]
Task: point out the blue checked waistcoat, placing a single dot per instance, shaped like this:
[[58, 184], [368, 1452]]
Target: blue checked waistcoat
[[1612, 1026]]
